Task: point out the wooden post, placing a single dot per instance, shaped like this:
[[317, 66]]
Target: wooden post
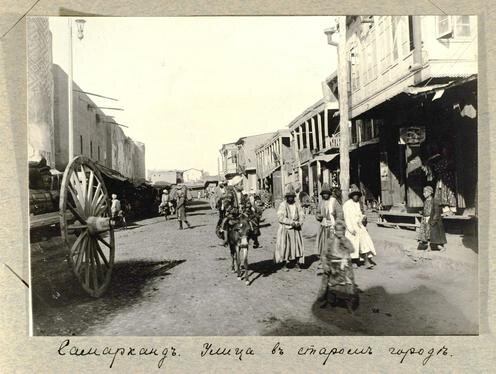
[[344, 131], [307, 135], [320, 132], [314, 132]]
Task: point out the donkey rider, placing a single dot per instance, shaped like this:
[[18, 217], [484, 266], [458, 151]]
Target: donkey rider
[[236, 203]]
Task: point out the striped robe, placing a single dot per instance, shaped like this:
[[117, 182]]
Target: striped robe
[[289, 245], [327, 214]]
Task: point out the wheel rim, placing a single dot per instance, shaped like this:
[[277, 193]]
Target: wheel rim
[[88, 234]]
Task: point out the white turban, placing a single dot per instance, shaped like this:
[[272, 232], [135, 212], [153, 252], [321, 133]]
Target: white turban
[[235, 180]]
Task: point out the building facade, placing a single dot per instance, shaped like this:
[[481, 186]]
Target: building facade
[[228, 160], [96, 135], [275, 163], [247, 161], [164, 176], [413, 108], [315, 145], [40, 91], [193, 175]]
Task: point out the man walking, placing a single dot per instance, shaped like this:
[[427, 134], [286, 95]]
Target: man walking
[[181, 197], [116, 211]]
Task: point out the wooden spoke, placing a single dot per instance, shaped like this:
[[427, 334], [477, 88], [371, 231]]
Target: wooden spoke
[[87, 268], [93, 275], [102, 255], [76, 184], [90, 189], [78, 207], [104, 242], [76, 214], [97, 261], [96, 197], [77, 243], [76, 227], [80, 256], [84, 187]]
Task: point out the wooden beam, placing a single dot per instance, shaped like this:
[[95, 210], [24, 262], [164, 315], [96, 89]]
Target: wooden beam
[[344, 157]]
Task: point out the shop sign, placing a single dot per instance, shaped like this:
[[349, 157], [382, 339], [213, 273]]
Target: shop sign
[[412, 135]]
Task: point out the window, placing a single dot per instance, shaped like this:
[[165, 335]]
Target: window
[[394, 35], [354, 131], [81, 144], [384, 45], [91, 149], [98, 153], [462, 26], [443, 26], [453, 26]]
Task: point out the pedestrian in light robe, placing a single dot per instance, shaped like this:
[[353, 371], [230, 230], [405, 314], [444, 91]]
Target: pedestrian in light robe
[[289, 244], [356, 231]]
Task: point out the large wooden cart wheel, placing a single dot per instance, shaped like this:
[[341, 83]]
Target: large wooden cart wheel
[[89, 236]]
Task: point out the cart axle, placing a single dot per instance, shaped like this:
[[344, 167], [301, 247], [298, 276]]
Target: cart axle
[[97, 225]]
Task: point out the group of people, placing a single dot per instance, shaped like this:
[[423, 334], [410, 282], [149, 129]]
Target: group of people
[[231, 203], [330, 212]]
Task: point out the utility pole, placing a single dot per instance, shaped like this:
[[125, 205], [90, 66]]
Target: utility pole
[[70, 122], [344, 130]]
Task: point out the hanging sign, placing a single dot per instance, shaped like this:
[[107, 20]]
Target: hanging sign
[[412, 135]]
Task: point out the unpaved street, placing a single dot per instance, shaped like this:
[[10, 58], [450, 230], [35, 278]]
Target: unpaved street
[[171, 282]]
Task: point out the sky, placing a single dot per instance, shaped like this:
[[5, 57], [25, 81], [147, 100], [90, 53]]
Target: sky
[[190, 84]]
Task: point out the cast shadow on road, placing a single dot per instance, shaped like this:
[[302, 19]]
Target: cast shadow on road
[[421, 311], [266, 268], [74, 311]]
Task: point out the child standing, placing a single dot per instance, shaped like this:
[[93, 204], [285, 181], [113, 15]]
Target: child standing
[[338, 279], [431, 229]]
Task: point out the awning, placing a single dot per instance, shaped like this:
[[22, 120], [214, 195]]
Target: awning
[[326, 158], [112, 174], [435, 88]]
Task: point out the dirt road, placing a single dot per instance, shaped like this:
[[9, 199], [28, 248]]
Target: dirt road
[[172, 282]]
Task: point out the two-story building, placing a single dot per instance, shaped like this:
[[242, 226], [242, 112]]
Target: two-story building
[[315, 145], [228, 161], [413, 104], [247, 160], [275, 162]]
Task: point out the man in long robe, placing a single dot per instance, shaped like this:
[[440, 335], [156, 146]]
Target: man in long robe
[[356, 231], [289, 244], [328, 211]]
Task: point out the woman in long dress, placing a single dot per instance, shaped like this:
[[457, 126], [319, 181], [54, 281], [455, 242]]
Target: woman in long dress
[[356, 231], [289, 245]]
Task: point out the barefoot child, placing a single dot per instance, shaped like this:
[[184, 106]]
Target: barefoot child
[[338, 281]]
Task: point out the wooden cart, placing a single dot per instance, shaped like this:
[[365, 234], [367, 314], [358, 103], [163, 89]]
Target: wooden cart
[[86, 226]]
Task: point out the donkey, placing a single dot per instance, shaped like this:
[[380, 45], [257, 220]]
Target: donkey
[[238, 237]]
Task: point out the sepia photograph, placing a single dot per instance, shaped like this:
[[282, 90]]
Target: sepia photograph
[[253, 176]]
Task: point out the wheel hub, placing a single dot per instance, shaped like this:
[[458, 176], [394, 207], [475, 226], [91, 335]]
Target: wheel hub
[[97, 225]]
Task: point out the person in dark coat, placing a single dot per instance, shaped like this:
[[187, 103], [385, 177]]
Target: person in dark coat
[[181, 197], [431, 228]]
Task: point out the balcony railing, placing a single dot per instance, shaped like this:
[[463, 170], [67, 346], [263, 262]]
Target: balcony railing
[[332, 141]]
